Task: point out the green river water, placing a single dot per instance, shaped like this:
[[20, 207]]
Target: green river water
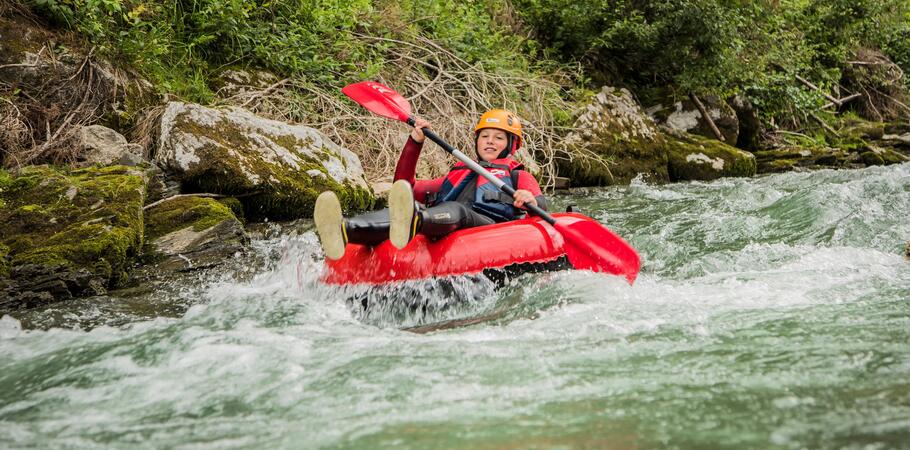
[[771, 312]]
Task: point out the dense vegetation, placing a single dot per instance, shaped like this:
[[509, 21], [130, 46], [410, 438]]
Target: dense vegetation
[[540, 56], [181, 43], [721, 47]]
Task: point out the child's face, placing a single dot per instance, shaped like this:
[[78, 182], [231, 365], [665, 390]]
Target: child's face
[[491, 142]]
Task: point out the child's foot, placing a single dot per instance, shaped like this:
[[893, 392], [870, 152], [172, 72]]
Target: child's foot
[[330, 225], [403, 216]]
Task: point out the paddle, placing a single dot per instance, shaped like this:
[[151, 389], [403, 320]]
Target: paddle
[[589, 245]]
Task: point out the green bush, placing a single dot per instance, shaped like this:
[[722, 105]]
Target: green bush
[[178, 43], [720, 47]]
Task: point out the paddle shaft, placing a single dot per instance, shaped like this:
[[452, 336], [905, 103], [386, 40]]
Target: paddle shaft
[[478, 169]]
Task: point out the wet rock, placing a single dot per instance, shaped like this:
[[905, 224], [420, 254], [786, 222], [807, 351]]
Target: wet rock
[[275, 169], [694, 157], [615, 130], [104, 146], [190, 233], [68, 233], [684, 116]]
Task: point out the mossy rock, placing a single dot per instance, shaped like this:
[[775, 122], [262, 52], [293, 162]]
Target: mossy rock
[[235, 206], [188, 233], [693, 157], [78, 230], [873, 155], [4, 261], [897, 135], [614, 130], [856, 129], [199, 213], [275, 169], [777, 166], [872, 159], [792, 158]]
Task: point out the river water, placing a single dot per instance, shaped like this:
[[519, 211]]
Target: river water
[[770, 313]]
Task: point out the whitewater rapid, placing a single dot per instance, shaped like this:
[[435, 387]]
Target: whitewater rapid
[[771, 312]]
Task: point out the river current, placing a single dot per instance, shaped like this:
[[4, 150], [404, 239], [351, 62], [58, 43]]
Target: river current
[[771, 312]]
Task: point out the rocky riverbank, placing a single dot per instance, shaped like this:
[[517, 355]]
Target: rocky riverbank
[[88, 209]]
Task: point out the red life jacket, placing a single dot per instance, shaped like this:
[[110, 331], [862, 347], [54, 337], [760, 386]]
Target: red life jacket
[[486, 198]]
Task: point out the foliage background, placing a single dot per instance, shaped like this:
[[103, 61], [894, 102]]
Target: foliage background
[[542, 58]]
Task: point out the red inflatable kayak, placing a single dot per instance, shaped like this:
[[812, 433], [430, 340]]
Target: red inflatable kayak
[[473, 250]]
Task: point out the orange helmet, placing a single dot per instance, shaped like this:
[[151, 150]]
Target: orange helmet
[[502, 120]]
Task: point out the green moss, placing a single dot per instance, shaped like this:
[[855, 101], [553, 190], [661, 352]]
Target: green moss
[[5, 265], [881, 156], [235, 206], [889, 156], [626, 159], [777, 165], [615, 130], [5, 180], [693, 157], [80, 219], [854, 129], [786, 159], [181, 212]]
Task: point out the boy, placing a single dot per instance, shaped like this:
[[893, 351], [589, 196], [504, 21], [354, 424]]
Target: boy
[[460, 199]]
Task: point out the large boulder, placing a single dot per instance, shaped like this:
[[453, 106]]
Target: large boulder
[[694, 157], [67, 233], [276, 170], [686, 117], [614, 130], [189, 233]]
